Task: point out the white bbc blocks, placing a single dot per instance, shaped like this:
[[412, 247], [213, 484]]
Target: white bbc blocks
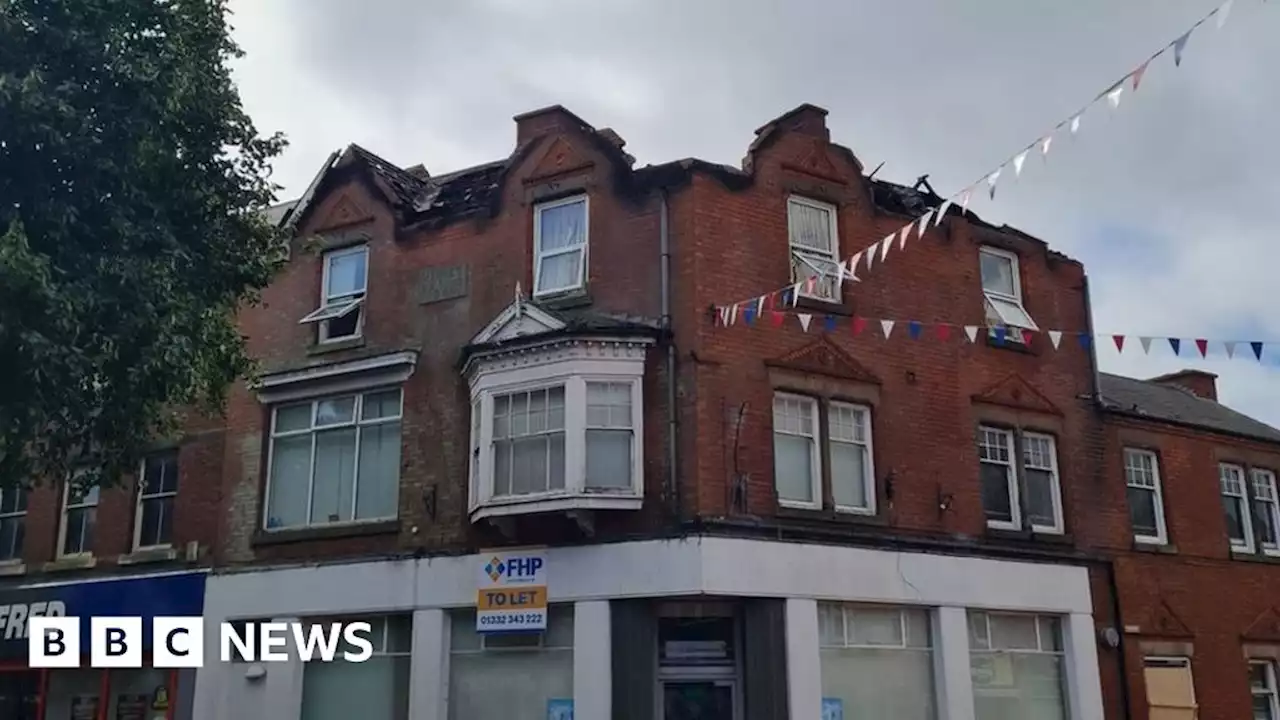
[[115, 642]]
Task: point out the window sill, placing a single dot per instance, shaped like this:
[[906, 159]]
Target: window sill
[[325, 532], [825, 307], [564, 300], [555, 503], [148, 555], [845, 517], [1247, 556], [71, 562], [1036, 536], [11, 568], [335, 346], [1159, 548]]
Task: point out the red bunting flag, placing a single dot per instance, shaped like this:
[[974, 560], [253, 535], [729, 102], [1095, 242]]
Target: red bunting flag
[[1026, 336], [777, 318], [1202, 345], [1119, 341], [859, 324], [1137, 74], [944, 332]]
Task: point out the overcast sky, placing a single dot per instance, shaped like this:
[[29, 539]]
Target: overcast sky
[[1167, 200]]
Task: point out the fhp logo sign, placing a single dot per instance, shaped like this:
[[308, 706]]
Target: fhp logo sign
[[512, 592]]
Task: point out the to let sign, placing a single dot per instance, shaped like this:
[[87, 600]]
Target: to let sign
[[511, 594]]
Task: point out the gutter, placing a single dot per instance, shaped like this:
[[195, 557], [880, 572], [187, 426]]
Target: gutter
[[664, 246]]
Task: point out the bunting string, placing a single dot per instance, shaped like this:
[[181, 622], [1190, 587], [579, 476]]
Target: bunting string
[[846, 269], [884, 328]]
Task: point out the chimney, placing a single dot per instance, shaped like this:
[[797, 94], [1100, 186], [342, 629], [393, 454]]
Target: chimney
[[805, 119], [547, 121], [1197, 382]]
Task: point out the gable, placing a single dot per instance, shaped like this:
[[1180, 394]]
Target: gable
[[824, 357], [1163, 621], [561, 157], [1015, 392], [1266, 628], [520, 319], [813, 159], [347, 210]]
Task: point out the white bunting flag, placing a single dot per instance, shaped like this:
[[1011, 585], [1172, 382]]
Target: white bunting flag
[[853, 263], [965, 197], [722, 314], [924, 225], [972, 332], [992, 179], [1075, 124], [1223, 12], [942, 211], [1230, 345], [887, 327], [903, 235], [884, 247], [1146, 345], [1055, 337], [1113, 96], [1018, 160], [760, 306], [1045, 143], [804, 320], [795, 294], [733, 314], [871, 255]]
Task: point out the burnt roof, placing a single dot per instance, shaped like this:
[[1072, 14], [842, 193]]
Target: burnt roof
[[1162, 403], [407, 187]]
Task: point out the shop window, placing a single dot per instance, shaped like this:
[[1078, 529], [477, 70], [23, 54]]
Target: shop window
[[13, 522], [509, 676], [335, 460], [139, 694], [157, 489], [1171, 693], [20, 694], [877, 662], [130, 694], [79, 518], [1016, 663], [377, 689]]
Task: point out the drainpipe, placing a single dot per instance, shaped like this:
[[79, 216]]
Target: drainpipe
[[664, 245], [1093, 344]]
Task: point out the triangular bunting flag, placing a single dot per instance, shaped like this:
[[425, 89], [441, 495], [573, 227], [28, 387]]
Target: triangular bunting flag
[[944, 332], [1257, 350], [972, 332], [887, 327], [1113, 96], [859, 324], [1055, 337], [1146, 345], [749, 314], [809, 284], [902, 236], [965, 196], [992, 179], [1230, 347], [1000, 332], [1175, 344], [871, 256], [853, 263], [913, 329], [1119, 341], [1085, 340], [760, 304], [1045, 143], [1018, 160], [1026, 337], [722, 316], [884, 247], [1179, 46], [829, 323], [733, 314], [777, 318], [1202, 345], [804, 320], [1223, 12], [942, 211], [1075, 124], [924, 225]]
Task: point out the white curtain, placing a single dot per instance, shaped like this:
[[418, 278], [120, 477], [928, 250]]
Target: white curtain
[[562, 236], [335, 470], [377, 490], [849, 474], [810, 228], [793, 467], [290, 476]]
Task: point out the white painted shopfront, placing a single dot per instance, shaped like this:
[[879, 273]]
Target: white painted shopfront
[[964, 629]]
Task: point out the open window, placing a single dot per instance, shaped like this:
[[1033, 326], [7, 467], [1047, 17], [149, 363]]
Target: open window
[[815, 248], [342, 292], [1002, 290]]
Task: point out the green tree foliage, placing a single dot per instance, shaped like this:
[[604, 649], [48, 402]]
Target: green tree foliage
[[131, 182]]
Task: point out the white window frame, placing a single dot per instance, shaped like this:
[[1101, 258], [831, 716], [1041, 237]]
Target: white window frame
[[339, 306], [539, 255], [1271, 692], [799, 255], [141, 496], [573, 375], [869, 470], [96, 493], [1162, 535], [1016, 446], [993, 298], [358, 422], [815, 452], [1246, 512], [20, 515], [1272, 503]]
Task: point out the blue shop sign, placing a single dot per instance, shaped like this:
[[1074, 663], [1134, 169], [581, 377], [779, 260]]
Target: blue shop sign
[[147, 597]]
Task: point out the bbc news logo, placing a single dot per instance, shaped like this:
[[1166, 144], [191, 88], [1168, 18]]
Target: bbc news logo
[[178, 642]]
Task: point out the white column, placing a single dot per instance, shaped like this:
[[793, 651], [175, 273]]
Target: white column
[[213, 678], [804, 665], [429, 666], [951, 664], [282, 687], [1084, 685], [592, 661]]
